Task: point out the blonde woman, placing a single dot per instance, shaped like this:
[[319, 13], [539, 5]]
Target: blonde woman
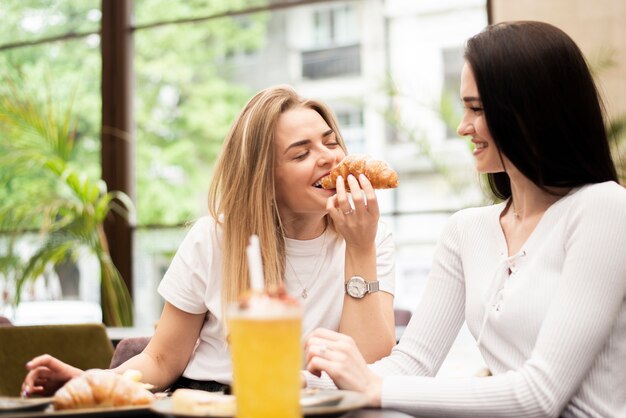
[[313, 241]]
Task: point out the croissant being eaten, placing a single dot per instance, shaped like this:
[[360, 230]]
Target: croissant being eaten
[[377, 172], [101, 388]]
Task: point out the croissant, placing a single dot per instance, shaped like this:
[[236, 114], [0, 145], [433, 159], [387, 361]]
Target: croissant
[[376, 171], [100, 388]]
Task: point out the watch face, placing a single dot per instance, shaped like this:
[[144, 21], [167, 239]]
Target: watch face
[[356, 287]]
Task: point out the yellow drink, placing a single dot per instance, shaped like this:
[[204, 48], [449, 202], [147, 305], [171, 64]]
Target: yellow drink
[[266, 354]]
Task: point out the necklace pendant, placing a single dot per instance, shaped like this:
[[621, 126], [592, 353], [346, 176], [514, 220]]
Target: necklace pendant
[[304, 294]]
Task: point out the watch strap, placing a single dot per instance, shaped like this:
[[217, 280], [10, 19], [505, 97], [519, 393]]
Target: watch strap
[[373, 286]]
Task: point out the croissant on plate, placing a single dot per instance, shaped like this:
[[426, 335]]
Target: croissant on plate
[[101, 388], [377, 172]]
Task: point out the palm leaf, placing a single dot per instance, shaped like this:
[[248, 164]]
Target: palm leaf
[[68, 208]]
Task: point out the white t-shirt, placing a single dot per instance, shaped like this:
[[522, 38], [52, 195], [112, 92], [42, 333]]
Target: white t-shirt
[[192, 284], [553, 331]]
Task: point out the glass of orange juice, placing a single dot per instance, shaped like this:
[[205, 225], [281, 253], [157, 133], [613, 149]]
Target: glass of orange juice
[[267, 356]]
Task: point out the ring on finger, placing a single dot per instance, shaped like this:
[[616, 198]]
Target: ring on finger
[[323, 349], [348, 212]]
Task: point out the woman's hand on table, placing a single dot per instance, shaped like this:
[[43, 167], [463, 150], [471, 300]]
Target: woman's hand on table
[[338, 356], [46, 375]]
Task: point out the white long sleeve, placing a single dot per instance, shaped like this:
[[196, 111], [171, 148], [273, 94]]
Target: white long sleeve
[[553, 331]]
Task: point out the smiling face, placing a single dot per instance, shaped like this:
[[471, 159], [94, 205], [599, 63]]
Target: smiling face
[[306, 150], [475, 126]]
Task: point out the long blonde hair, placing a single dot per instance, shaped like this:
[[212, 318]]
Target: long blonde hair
[[242, 194]]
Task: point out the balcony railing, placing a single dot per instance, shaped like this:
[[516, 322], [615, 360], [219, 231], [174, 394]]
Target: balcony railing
[[331, 62]]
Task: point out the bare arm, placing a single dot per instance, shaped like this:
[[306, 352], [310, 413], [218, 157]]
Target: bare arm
[[369, 321], [169, 350], [161, 362]]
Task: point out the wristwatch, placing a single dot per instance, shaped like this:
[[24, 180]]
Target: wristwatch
[[357, 287]]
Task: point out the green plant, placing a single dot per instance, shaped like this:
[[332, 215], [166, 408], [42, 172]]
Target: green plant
[[46, 191], [617, 133], [600, 60]]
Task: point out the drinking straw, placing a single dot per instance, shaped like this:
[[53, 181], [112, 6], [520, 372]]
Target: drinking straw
[[255, 265]]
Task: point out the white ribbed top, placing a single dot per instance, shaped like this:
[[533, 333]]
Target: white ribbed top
[[553, 331]]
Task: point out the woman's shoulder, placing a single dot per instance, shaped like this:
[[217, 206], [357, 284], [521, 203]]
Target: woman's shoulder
[[606, 190], [477, 213], [204, 221], [600, 195], [600, 202], [472, 222], [203, 230]]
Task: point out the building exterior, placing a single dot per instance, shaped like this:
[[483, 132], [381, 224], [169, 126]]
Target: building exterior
[[597, 27]]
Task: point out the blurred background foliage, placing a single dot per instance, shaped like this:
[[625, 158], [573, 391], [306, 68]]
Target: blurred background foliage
[[67, 207], [50, 122], [184, 101], [601, 60]]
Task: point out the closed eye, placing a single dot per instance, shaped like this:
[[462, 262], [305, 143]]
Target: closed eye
[[302, 155]]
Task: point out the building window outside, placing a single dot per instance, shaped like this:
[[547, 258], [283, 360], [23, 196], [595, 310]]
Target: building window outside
[[334, 27], [352, 129], [335, 48]]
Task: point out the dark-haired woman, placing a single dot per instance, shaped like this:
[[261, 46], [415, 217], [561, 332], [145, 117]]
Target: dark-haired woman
[[540, 278]]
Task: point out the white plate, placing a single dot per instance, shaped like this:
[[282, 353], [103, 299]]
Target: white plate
[[105, 412], [15, 404], [315, 402]]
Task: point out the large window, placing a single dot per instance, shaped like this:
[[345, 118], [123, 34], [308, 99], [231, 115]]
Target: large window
[[194, 64]]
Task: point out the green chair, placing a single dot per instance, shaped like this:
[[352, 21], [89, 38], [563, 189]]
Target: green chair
[[84, 346]]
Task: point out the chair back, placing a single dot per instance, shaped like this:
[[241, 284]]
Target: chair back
[[84, 346], [402, 316], [127, 348]]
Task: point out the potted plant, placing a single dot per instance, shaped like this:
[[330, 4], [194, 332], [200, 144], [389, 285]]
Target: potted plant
[[58, 199]]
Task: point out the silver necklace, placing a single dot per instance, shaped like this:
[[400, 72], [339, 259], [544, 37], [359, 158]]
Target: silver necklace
[[517, 215], [303, 285]]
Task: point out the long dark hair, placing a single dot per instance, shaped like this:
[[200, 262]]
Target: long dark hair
[[541, 105]]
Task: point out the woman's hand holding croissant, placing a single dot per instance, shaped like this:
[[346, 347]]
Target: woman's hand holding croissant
[[357, 224]]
